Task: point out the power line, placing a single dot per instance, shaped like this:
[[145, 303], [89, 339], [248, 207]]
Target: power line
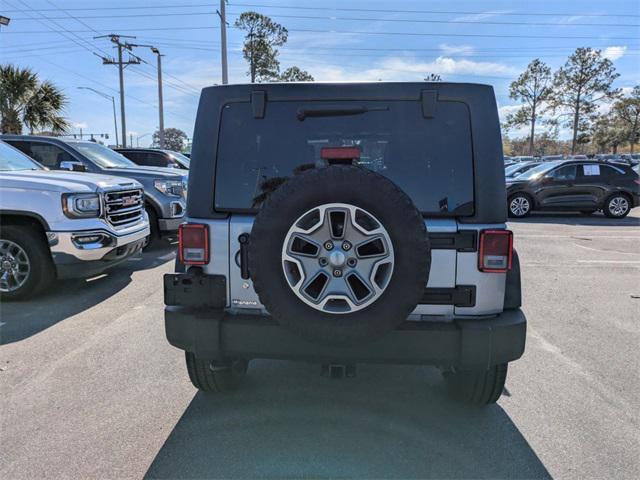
[[349, 9], [360, 19], [356, 32]]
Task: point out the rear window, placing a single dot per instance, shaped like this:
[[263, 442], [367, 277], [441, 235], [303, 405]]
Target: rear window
[[431, 159]]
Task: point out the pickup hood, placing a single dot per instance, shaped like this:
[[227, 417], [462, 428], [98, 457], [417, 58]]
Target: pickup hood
[[149, 172], [59, 181]]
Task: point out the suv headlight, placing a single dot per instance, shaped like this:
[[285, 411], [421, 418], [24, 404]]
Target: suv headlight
[[81, 205], [172, 188]]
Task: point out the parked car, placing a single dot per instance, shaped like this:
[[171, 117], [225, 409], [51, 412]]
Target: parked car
[[165, 188], [585, 186], [155, 157], [519, 168], [349, 245], [551, 158], [523, 158], [57, 224]]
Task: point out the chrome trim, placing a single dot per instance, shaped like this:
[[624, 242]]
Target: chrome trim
[[62, 244], [115, 207]]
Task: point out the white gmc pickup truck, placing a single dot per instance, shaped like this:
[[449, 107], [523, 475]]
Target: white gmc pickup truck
[[56, 224]]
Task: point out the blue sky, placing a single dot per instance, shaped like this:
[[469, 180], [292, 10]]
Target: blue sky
[[467, 41]]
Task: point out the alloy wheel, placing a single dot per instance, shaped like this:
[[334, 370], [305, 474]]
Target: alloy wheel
[[337, 258], [14, 266], [618, 206], [519, 206]]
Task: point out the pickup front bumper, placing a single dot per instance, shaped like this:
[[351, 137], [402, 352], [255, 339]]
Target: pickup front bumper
[[87, 253], [211, 333]]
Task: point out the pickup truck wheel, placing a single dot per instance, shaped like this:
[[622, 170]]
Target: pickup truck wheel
[[617, 206], [477, 387], [215, 377], [333, 262], [154, 237], [25, 263], [519, 205]]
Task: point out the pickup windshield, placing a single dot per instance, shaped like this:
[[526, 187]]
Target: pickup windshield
[[430, 159], [103, 156], [12, 160]]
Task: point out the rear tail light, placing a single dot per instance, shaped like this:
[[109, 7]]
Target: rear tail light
[[194, 244], [340, 153], [496, 251]]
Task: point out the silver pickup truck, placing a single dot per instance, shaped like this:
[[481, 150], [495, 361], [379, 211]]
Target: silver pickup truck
[[57, 224]]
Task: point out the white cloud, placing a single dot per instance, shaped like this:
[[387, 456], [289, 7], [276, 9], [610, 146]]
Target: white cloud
[[506, 110], [456, 49], [614, 53], [476, 17], [407, 69]]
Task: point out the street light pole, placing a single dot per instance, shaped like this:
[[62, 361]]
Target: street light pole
[[113, 103]]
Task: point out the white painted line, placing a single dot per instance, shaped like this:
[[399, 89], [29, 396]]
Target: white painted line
[[605, 251], [610, 261]]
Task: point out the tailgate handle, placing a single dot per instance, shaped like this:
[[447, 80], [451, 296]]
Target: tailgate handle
[[244, 255]]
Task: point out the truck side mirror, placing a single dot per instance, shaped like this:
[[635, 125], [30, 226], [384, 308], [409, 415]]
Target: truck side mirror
[[73, 166]]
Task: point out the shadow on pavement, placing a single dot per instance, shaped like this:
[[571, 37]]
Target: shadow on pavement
[[66, 298], [388, 422], [595, 219]]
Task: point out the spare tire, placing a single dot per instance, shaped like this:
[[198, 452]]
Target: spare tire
[[339, 255]]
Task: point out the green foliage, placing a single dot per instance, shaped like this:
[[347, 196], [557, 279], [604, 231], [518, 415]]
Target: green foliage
[[174, 139], [263, 34], [627, 113], [294, 74], [25, 101], [532, 88], [578, 86]]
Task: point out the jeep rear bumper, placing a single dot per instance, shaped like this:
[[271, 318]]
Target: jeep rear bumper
[[467, 343]]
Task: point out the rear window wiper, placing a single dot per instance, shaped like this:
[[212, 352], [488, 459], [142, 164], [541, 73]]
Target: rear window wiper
[[336, 111]]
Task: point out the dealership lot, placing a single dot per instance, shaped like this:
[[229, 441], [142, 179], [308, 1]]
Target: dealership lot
[[90, 387]]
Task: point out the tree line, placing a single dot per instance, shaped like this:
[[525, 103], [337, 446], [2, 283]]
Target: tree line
[[571, 97]]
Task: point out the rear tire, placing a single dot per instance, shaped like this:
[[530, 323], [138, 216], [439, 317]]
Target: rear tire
[[617, 206], [209, 376], [33, 250], [477, 387], [519, 205]]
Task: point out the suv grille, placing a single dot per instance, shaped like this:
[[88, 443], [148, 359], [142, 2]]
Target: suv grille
[[124, 207]]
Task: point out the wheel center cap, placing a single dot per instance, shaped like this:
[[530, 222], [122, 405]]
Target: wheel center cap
[[337, 259], [6, 265]]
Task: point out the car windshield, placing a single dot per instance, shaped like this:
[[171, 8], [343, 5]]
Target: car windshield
[[514, 169], [538, 171], [180, 158], [103, 156], [12, 160]]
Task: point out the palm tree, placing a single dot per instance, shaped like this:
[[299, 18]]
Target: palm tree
[[24, 100]]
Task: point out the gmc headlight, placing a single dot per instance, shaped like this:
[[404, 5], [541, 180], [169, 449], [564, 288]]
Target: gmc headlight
[[81, 205], [172, 188]]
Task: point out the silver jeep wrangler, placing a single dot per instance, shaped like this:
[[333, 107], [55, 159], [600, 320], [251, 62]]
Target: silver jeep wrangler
[[347, 223]]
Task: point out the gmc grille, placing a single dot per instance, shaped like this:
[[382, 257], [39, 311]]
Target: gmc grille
[[124, 207]]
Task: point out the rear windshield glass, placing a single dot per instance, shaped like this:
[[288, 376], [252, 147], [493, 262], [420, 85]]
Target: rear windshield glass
[[429, 158]]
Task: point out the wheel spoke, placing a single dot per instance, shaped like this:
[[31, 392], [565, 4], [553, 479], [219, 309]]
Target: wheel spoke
[[14, 266]]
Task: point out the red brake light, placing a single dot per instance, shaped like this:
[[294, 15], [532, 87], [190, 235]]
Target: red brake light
[[496, 251], [339, 153], [194, 244]]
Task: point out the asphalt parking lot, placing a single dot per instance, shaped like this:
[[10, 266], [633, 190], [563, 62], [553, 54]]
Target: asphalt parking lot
[[90, 388]]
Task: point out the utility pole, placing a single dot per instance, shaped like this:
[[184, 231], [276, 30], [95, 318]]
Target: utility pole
[[160, 107], [223, 40], [133, 60]]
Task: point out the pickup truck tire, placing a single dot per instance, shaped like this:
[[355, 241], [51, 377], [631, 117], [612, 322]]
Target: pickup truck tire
[[153, 240], [477, 387], [214, 377], [334, 188], [41, 269]]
